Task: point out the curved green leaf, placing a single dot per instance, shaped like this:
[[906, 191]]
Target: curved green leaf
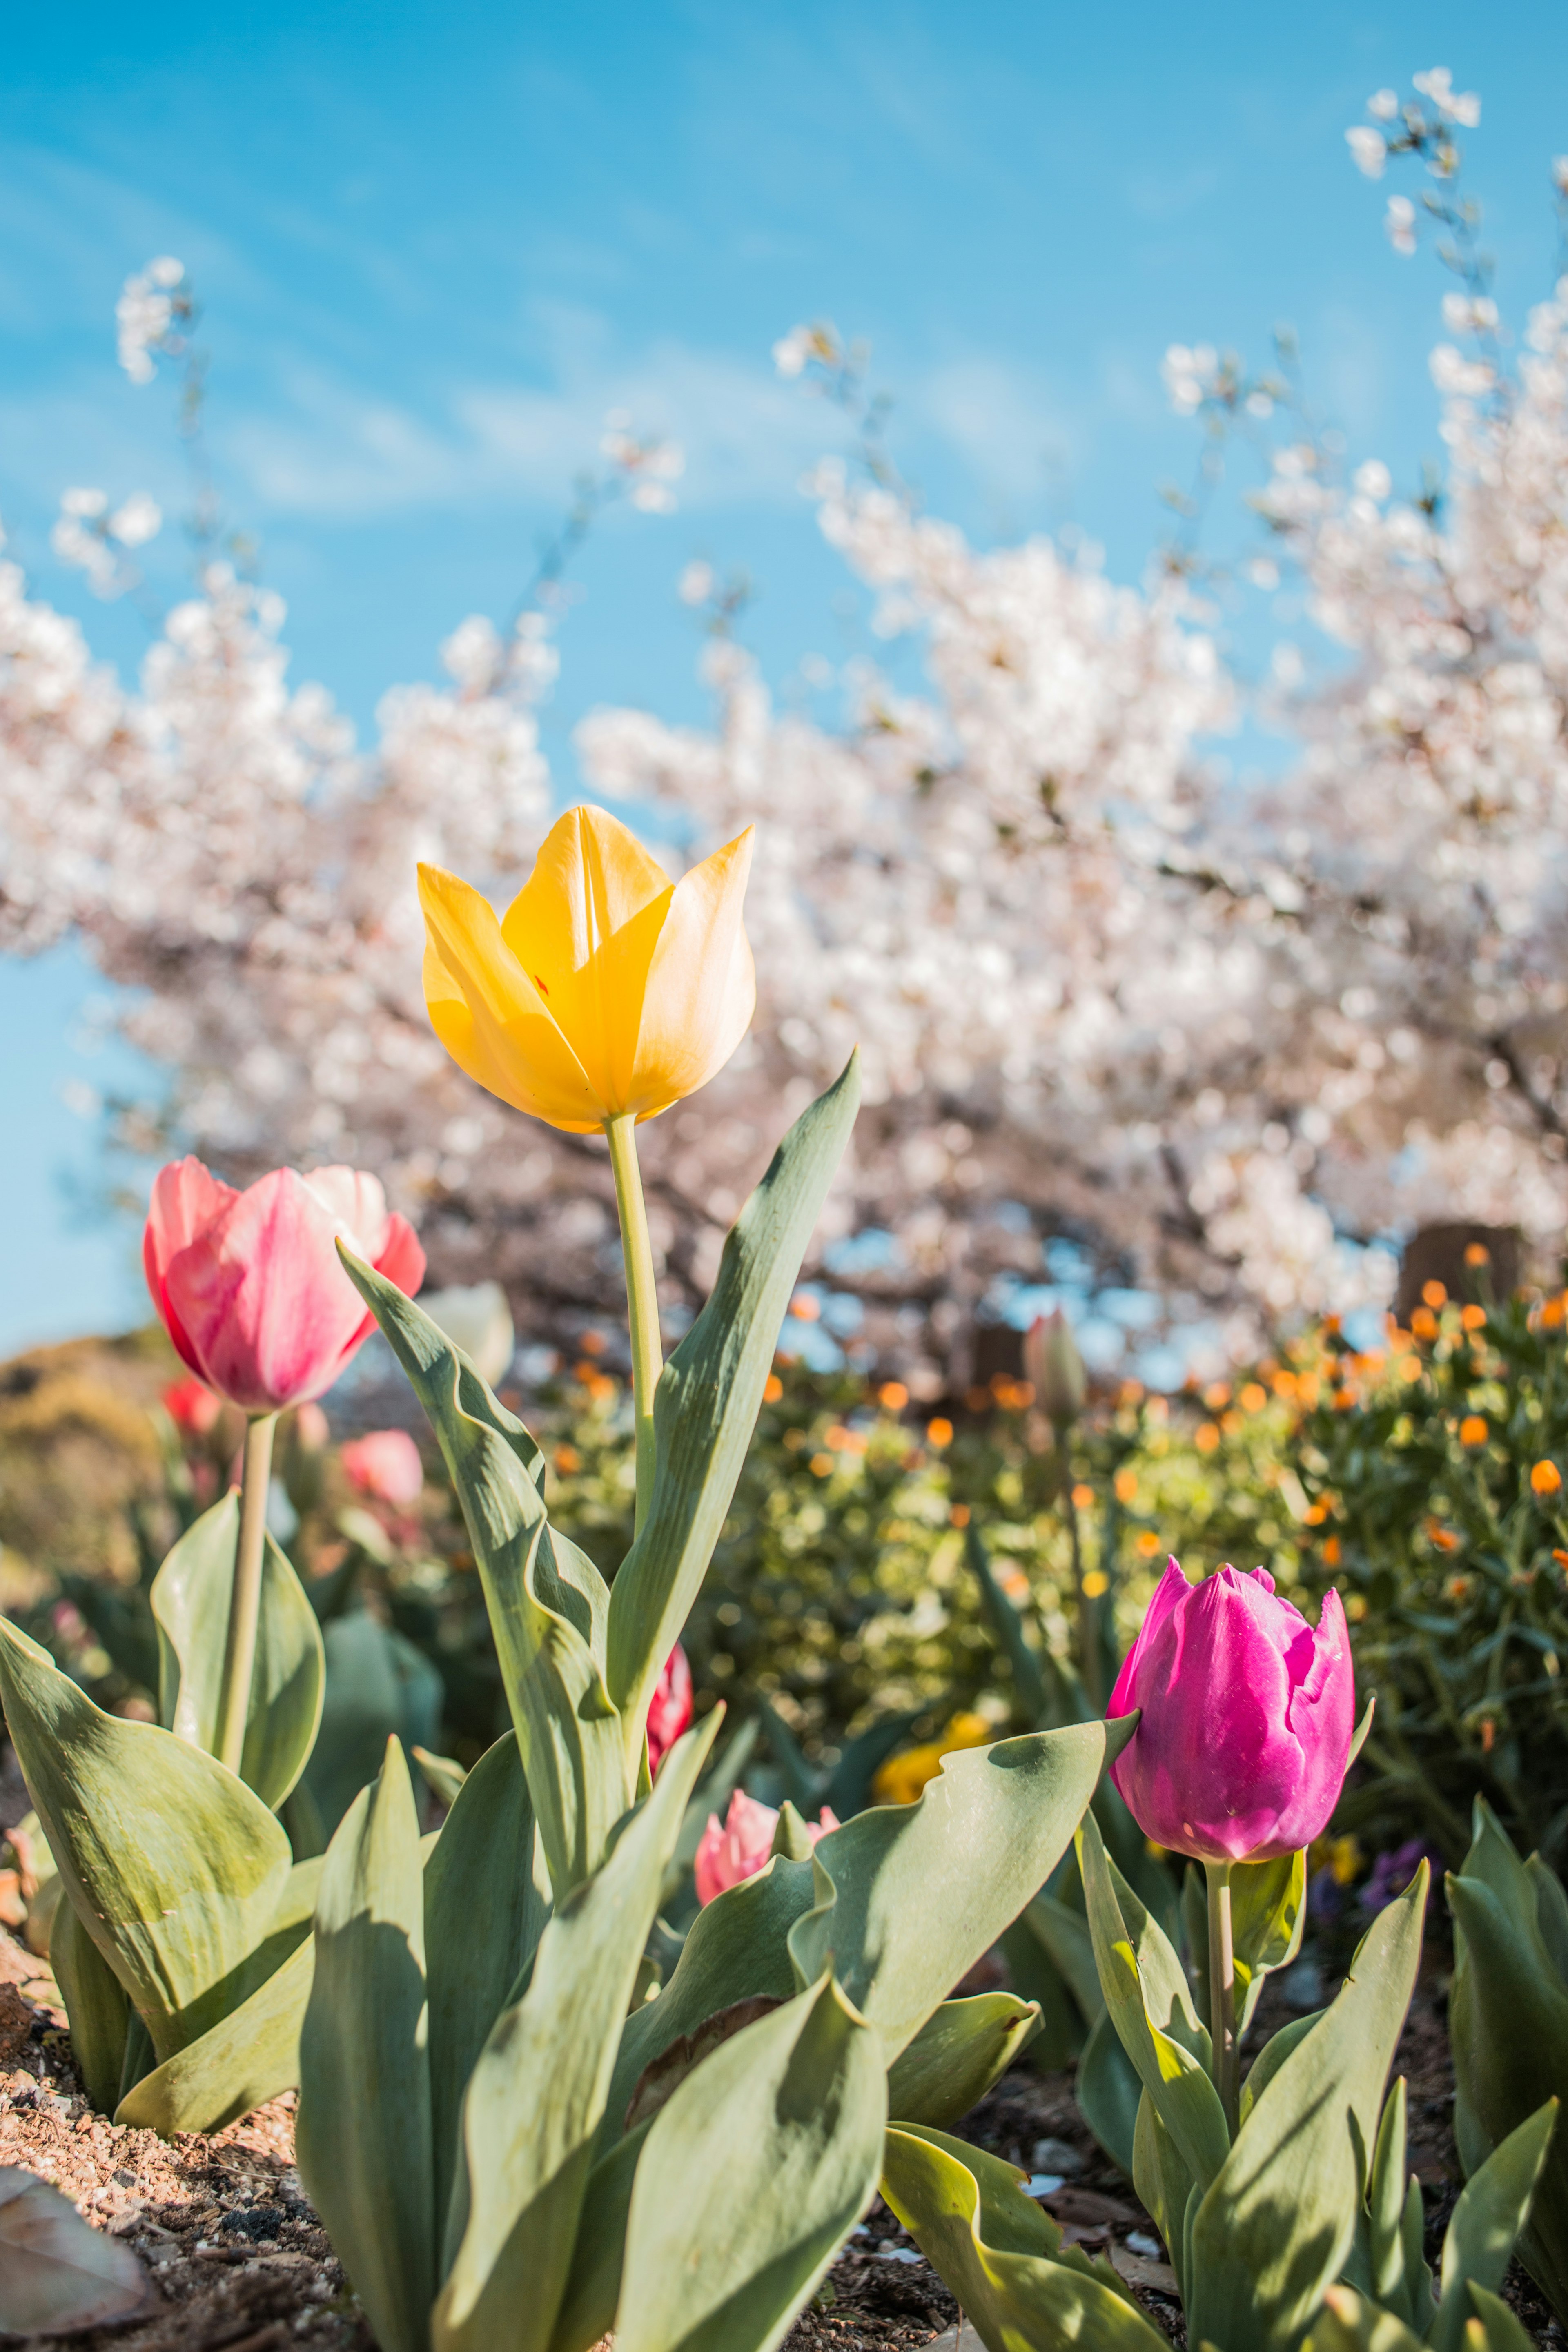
[[190, 1599], [1107, 2091], [1269, 1913], [962, 2049], [1002, 2257], [96, 2007], [538, 2091], [593, 2285], [908, 1896], [378, 1686], [754, 2174], [175, 1867], [251, 2056], [363, 2130], [1485, 2223], [548, 1604], [707, 1397]]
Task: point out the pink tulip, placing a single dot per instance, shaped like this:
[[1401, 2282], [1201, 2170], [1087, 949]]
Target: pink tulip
[[741, 1847], [250, 1285], [1247, 1719], [384, 1464], [191, 1406], [670, 1713]]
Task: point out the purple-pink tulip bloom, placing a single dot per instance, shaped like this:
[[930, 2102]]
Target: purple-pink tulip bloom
[[1248, 1713]]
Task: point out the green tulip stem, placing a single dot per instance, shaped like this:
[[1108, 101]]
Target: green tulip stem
[[642, 1297], [1221, 1994], [245, 1598]]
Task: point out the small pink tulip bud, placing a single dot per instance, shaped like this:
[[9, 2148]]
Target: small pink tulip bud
[[250, 1285], [740, 1848], [1248, 1713], [1052, 1362], [386, 1464], [670, 1713]]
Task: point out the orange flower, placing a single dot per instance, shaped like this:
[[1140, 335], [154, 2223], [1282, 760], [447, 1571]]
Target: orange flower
[[1473, 1318], [1126, 1485], [1423, 1323], [1473, 1432], [939, 1433], [1083, 1498], [959, 1514], [773, 1388], [1546, 1480], [892, 1396], [1253, 1397], [1205, 1437], [1477, 1254], [1434, 1294], [1331, 1552]]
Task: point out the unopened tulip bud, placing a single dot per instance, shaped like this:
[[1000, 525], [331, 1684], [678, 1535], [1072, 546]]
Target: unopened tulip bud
[[1053, 1363], [1247, 1717]]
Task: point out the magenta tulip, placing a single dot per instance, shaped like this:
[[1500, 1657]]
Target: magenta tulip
[[671, 1712], [739, 1847], [1246, 1716], [250, 1285]]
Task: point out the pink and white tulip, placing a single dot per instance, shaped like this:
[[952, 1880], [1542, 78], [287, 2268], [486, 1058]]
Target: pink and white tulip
[[739, 1847]]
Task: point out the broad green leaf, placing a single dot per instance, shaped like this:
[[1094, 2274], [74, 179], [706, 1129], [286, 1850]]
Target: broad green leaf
[[538, 2091], [1508, 2021], [592, 2286], [908, 1896], [962, 2049], [1269, 1913], [1550, 1913], [1107, 2091], [708, 1397], [1150, 2005], [1036, 1977], [96, 2007], [1063, 1933], [1002, 2257], [58, 2274], [1164, 2180], [737, 1947], [364, 2131], [1485, 2223], [1504, 2331], [1274, 2227], [443, 1775], [173, 1865], [1398, 2273], [1272, 2056], [487, 1898], [751, 2176], [378, 1685], [548, 1604], [190, 1599], [1349, 2322], [251, 2057]]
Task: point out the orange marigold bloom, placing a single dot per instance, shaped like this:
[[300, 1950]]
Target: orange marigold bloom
[[1423, 1323], [1473, 1430], [1546, 1480], [892, 1396], [1473, 1318], [1205, 1437], [939, 1433], [1434, 1294], [1253, 1397], [1331, 1552], [1477, 1254]]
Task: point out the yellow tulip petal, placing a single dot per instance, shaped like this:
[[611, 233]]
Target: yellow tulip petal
[[489, 1015], [585, 926], [702, 988]]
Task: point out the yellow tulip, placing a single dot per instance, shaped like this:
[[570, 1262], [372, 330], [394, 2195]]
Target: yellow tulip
[[606, 990], [901, 1778]]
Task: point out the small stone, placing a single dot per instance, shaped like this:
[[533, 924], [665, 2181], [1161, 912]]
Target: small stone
[[1056, 2155]]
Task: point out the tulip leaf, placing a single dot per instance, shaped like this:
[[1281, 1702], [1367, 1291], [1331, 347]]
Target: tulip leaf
[[173, 1865], [1107, 2091], [58, 2274], [548, 1604], [190, 1599], [1269, 1913], [1504, 2331], [737, 1949], [908, 1896], [754, 2174], [1151, 2008], [1391, 2224], [1164, 2180], [1350, 2322], [378, 1685], [1001, 2256], [1275, 2224], [1550, 1913], [592, 2286], [1492, 2210], [709, 1395], [96, 2007], [1063, 1935], [363, 2130], [1272, 2056], [1507, 2020], [248, 2057], [538, 2091], [964, 2047], [487, 1898]]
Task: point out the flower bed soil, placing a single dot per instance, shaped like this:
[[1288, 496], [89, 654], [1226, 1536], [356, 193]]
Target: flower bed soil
[[240, 2263]]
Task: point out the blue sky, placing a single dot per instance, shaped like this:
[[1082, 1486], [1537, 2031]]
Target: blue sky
[[437, 244]]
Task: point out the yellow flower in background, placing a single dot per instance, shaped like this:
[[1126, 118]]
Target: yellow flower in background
[[605, 989], [900, 1781]]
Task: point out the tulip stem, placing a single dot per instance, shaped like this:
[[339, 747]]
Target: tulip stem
[[245, 1598], [1222, 1993], [642, 1298]]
